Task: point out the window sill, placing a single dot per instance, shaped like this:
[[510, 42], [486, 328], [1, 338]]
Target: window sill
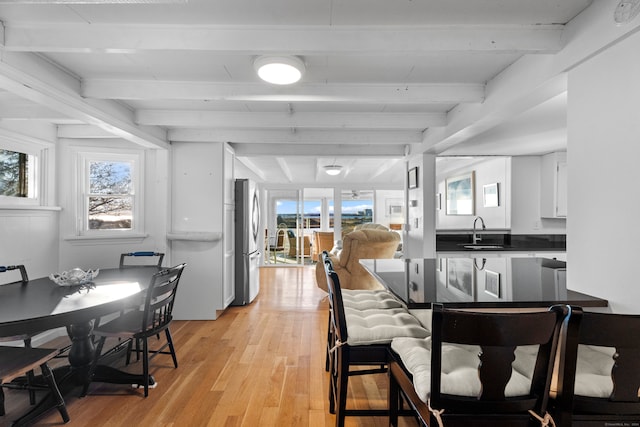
[[87, 240], [197, 236], [29, 208]]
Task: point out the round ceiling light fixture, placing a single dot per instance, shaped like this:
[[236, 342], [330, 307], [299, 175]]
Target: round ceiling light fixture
[[279, 70], [333, 169]]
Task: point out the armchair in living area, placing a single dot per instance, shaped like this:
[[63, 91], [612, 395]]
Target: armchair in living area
[[292, 245], [367, 243], [322, 241]]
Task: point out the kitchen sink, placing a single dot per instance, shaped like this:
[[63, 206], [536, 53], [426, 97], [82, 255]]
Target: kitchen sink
[[471, 246]]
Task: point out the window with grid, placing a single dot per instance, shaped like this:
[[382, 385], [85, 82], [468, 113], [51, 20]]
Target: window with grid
[[111, 193]]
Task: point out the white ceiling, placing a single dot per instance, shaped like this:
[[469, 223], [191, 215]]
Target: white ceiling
[[379, 74]]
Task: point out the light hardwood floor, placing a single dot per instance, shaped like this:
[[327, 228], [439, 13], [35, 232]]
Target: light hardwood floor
[[259, 365]]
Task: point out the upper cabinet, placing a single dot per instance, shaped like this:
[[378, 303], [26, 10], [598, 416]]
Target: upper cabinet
[[553, 185]]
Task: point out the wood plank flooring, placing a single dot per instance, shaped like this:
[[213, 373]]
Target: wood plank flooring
[[259, 365]]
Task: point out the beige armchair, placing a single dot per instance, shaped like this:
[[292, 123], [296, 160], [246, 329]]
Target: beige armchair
[[322, 241], [359, 244]]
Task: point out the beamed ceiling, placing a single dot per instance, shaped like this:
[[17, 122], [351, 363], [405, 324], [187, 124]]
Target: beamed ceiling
[[383, 78]]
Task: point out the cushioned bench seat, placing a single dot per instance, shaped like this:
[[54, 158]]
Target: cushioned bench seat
[[380, 327], [459, 367], [368, 299], [593, 371]]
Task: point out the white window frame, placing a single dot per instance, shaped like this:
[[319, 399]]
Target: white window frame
[[84, 158], [36, 178]]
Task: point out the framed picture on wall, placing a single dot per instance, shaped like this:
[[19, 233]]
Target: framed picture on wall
[[413, 177], [490, 195], [461, 194], [492, 283], [460, 275]]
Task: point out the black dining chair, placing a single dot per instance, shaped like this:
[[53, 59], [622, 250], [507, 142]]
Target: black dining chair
[[16, 361], [360, 346], [135, 259], [25, 338], [479, 369], [137, 326], [599, 371]]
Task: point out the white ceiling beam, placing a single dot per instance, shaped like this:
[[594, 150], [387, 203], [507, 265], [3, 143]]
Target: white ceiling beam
[[308, 40], [285, 168], [400, 93], [303, 137], [252, 167], [386, 167], [37, 80], [533, 79], [343, 120], [31, 111], [83, 132], [320, 150]]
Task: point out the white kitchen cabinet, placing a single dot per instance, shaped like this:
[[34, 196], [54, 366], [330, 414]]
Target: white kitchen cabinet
[[202, 205], [553, 185]]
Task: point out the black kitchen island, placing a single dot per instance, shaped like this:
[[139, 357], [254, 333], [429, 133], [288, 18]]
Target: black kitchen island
[[468, 282]]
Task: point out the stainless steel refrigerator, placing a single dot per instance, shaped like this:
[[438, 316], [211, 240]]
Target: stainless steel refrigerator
[[247, 242]]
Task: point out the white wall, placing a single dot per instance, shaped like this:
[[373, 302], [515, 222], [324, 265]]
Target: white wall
[[518, 181], [603, 174], [29, 237], [383, 199], [525, 199], [486, 172], [420, 236]]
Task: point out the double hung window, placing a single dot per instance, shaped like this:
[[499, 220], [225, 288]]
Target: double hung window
[[111, 188]]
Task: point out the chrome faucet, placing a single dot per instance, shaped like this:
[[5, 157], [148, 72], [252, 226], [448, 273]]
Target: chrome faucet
[[477, 238]]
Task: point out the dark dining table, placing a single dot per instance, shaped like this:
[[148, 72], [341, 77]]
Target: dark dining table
[[40, 305], [479, 282]]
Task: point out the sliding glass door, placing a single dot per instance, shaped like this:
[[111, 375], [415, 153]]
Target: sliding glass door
[[293, 219]]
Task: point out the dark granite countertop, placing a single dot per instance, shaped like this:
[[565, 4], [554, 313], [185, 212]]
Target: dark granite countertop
[[501, 242], [509, 282]]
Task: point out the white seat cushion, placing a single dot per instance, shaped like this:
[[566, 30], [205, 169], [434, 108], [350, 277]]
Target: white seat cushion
[[593, 371], [348, 311], [379, 327], [364, 300], [459, 367]]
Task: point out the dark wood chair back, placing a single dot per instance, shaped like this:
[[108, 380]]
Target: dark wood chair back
[[622, 407], [498, 335], [159, 299], [338, 317], [337, 307], [23, 271], [126, 257]]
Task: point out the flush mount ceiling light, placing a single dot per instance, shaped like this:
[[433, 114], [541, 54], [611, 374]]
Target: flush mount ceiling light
[[279, 70], [333, 169]]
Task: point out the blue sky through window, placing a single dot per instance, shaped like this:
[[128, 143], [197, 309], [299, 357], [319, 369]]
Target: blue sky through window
[[348, 206]]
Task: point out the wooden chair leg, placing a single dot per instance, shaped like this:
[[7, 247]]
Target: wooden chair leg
[[1, 401], [55, 391], [393, 400], [330, 342], [145, 365], [31, 377], [332, 387], [171, 347], [342, 387]]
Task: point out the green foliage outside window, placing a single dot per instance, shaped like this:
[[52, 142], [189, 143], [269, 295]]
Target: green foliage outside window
[[14, 174]]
